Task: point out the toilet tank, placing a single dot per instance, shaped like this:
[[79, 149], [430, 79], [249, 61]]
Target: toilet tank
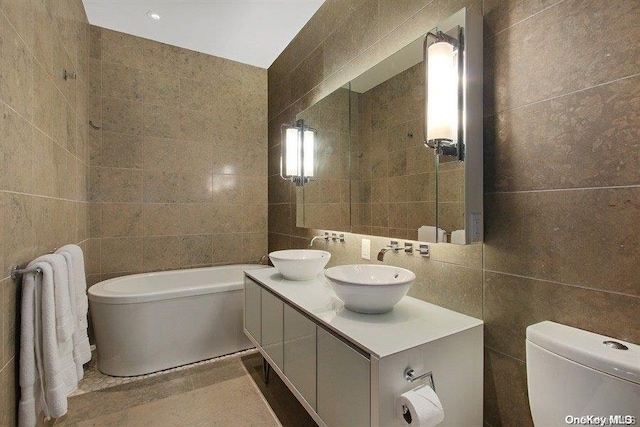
[[572, 374]]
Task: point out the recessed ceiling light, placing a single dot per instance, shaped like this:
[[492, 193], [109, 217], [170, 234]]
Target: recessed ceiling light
[[153, 15]]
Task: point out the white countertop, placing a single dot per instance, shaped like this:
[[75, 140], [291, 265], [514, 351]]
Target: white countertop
[[411, 323]]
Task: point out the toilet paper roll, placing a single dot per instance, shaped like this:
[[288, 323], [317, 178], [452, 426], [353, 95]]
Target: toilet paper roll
[[423, 408]]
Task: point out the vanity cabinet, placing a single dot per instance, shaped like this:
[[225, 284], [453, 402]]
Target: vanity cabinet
[[344, 395], [272, 328], [300, 353], [346, 368], [253, 310]]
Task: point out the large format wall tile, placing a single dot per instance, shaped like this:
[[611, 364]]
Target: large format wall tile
[[585, 139], [450, 286], [115, 185], [17, 155], [512, 303], [576, 55], [585, 237], [16, 76], [118, 151], [182, 152], [119, 81], [43, 164], [506, 401]]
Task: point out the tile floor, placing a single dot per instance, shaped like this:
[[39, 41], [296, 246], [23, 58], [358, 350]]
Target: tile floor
[[225, 392]]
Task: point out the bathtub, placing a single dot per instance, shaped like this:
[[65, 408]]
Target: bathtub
[[153, 321]]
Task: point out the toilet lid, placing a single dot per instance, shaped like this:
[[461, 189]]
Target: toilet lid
[[588, 349]]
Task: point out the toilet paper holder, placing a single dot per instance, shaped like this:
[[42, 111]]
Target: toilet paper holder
[[411, 377]]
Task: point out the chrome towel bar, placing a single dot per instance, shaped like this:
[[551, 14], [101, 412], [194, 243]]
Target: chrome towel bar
[[16, 271]]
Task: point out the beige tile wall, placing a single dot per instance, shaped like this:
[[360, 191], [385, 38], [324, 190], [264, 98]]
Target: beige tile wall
[[178, 168], [562, 167], [43, 151]]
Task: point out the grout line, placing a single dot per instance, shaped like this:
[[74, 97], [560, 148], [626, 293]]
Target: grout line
[[344, 22], [553, 190], [506, 110], [44, 197], [8, 362], [9, 276], [43, 132], [264, 400], [525, 19], [35, 58], [505, 354], [563, 284]]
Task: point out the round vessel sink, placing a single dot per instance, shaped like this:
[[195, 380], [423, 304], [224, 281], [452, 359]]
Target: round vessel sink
[[299, 264], [370, 289]]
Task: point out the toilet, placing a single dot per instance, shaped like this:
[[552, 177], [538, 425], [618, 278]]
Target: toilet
[[573, 374]]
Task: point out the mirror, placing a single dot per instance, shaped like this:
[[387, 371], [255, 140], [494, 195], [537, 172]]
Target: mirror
[[324, 202], [374, 173]]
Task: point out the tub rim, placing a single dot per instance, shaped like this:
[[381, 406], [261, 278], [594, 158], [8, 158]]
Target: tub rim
[[98, 294]]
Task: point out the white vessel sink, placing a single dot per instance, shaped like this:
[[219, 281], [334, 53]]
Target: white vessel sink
[[370, 289], [299, 264]]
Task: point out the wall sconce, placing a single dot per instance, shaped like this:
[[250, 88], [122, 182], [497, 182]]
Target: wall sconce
[[297, 155], [444, 56]]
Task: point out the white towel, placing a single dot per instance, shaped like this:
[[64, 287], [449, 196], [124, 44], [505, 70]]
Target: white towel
[[458, 237], [31, 393], [47, 368], [427, 234], [79, 305]]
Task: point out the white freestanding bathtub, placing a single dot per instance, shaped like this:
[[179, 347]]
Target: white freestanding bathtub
[[153, 321]]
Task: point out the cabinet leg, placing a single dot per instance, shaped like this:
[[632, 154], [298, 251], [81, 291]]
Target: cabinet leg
[[267, 370]]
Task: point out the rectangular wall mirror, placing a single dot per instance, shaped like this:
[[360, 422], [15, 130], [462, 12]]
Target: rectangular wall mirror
[[374, 173]]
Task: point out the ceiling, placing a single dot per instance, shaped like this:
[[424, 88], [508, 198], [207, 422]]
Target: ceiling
[[254, 32]]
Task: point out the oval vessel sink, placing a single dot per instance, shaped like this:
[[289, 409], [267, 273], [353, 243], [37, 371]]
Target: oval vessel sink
[[370, 289], [300, 264]]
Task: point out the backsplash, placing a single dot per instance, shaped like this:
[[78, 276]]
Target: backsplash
[[562, 175], [178, 166], [43, 151]]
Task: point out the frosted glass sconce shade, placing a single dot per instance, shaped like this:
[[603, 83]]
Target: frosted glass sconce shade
[[297, 159], [442, 103], [445, 91]]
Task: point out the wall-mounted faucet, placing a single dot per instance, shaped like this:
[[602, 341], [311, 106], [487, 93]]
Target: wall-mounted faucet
[[392, 247], [324, 236]]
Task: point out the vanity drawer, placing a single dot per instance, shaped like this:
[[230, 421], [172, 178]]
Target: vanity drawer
[[344, 383], [300, 353], [272, 327]]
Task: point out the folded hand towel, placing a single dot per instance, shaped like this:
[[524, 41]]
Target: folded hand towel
[[458, 237], [31, 393], [79, 304], [427, 233]]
